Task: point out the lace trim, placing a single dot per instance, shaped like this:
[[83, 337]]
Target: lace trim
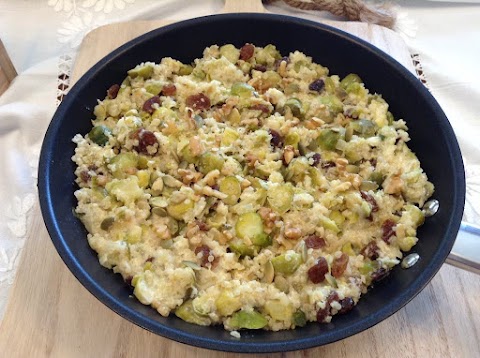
[[16, 220], [80, 18], [419, 69], [65, 65]]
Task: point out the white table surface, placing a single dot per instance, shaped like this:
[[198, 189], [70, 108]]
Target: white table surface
[[42, 37]]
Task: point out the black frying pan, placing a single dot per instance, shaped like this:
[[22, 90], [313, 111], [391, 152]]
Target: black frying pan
[[433, 141]]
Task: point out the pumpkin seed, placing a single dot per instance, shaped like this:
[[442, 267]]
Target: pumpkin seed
[[268, 272]]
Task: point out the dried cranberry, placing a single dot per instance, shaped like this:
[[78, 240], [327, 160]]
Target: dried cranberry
[[148, 105], [201, 225], [388, 231], [339, 265], [205, 253], [317, 158], [380, 274], [314, 242], [112, 92], [128, 280], [84, 176], [317, 272], [169, 90], [198, 101], [369, 199], [261, 68], [277, 139], [326, 165], [370, 251], [260, 107], [323, 313], [333, 296], [145, 139], [316, 85], [246, 52], [347, 305]]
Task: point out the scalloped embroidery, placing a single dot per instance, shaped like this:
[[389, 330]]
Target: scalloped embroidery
[[106, 5], [17, 214]]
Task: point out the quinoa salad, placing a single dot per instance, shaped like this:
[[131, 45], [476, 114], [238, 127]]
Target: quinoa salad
[[247, 189]]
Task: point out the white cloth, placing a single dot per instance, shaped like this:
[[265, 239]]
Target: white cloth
[[41, 37]]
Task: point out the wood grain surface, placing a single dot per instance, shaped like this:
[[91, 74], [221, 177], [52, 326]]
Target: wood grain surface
[[51, 315], [7, 71]]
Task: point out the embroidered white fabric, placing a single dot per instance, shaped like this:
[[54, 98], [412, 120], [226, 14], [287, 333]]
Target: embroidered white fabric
[[441, 36]]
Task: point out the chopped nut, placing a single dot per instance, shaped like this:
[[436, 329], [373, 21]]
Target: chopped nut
[[192, 230], [208, 191], [355, 179], [218, 115], [341, 163], [101, 180], [219, 195], [189, 176], [293, 233], [131, 171], [251, 159], [247, 241], [311, 124], [218, 141], [170, 127], [211, 178], [318, 120], [268, 217], [228, 235], [245, 183], [393, 184], [229, 105], [263, 212], [400, 231], [196, 146], [162, 231], [342, 187]]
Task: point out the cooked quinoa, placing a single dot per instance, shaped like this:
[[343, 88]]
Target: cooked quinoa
[[248, 189]]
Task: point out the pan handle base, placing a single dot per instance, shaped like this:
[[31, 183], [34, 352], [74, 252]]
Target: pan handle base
[[465, 253]]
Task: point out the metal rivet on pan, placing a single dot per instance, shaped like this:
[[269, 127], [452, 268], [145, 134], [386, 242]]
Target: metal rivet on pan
[[410, 260], [431, 207]]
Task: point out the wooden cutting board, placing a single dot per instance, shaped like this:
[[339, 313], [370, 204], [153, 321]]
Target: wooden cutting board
[[51, 315]]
